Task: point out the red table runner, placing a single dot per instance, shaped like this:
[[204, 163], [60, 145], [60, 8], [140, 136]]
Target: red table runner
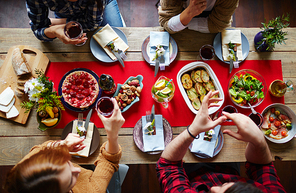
[[178, 113]]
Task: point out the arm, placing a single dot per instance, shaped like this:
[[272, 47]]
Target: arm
[[257, 150], [177, 148]]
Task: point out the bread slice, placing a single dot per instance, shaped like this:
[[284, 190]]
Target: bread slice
[[19, 63]]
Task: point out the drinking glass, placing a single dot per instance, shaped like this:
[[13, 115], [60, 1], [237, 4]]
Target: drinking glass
[[206, 52], [73, 30], [163, 91], [105, 106], [229, 109], [257, 118], [278, 88]]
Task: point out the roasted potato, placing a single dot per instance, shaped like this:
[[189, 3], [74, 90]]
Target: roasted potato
[[197, 76], [205, 76], [186, 81], [196, 104], [200, 89], [192, 94], [209, 85]]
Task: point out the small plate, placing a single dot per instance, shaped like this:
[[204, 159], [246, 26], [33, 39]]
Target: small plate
[[62, 98], [95, 138], [138, 135], [140, 78], [218, 146], [146, 49], [218, 47], [99, 52], [285, 109]]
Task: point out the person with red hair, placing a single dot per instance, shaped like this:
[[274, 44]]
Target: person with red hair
[[47, 168]]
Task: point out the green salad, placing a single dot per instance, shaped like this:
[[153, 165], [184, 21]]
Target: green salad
[[246, 89]]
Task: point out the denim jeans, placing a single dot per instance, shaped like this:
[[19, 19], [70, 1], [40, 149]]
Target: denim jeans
[[111, 14]]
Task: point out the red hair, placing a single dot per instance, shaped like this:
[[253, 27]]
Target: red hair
[[39, 173]]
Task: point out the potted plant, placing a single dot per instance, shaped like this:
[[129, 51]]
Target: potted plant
[[40, 91], [271, 34]]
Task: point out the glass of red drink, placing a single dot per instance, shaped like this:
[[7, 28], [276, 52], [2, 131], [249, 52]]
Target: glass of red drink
[[257, 118], [206, 52], [105, 106], [73, 30], [229, 109]]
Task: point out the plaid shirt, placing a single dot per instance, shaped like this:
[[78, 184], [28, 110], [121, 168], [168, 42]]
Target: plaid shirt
[[82, 11], [172, 177]]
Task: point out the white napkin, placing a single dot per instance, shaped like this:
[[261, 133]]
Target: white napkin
[[106, 35], [153, 142], [159, 38], [203, 147], [233, 36], [87, 140]]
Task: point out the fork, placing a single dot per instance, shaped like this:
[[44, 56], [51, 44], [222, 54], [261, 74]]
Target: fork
[[122, 54], [161, 60]]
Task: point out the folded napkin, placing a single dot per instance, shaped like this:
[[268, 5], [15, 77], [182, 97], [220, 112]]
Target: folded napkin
[[203, 147], [159, 38], [87, 140], [233, 36], [106, 35], [153, 142]]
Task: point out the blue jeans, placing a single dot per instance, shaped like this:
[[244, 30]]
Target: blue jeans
[[111, 14]]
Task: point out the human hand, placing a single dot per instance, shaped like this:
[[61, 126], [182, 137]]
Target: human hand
[[248, 131], [74, 142], [196, 7], [202, 122], [113, 124]]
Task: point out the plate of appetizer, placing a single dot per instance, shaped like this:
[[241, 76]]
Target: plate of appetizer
[[146, 49], [79, 89], [278, 123], [99, 52], [138, 135], [195, 80], [247, 86], [217, 44], [129, 92], [95, 138]]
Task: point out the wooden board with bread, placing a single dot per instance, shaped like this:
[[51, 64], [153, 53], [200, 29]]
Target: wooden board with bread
[[18, 67]]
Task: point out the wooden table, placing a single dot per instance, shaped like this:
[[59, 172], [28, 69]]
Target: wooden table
[[16, 140]]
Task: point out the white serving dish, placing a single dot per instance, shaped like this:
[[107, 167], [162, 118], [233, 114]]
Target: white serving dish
[[285, 109], [213, 76]]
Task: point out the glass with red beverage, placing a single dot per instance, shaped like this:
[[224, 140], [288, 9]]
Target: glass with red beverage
[[229, 109], [206, 52], [105, 106], [73, 30]]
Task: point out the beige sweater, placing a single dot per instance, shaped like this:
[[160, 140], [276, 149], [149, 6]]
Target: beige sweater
[[89, 181], [219, 19]]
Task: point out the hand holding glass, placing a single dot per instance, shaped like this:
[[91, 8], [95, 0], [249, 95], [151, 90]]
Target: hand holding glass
[[73, 30]]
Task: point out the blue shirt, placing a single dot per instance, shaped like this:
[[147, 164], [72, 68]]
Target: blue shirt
[[83, 11]]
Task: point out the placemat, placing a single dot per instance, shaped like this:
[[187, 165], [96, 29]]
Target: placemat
[[178, 113]]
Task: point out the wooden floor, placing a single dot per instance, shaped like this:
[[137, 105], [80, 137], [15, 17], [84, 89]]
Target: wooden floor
[[143, 13]]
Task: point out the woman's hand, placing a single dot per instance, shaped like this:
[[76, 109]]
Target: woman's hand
[[74, 142], [57, 31], [202, 122], [195, 8]]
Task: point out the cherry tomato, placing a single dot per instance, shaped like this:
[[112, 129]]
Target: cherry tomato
[[248, 92], [284, 133], [271, 119], [277, 123], [274, 132], [252, 93]]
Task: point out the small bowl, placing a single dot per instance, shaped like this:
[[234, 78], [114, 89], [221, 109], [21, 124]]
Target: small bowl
[[290, 113], [140, 78], [255, 75], [43, 127]]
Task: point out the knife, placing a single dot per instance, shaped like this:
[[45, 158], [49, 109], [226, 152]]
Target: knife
[[230, 65], [152, 113], [156, 66], [87, 119], [111, 47]]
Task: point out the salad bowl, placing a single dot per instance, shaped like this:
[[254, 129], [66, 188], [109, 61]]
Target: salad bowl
[[247, 87]]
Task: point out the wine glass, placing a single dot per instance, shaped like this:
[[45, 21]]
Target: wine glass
[[105, 106], [206, 52], [73, 30], [163, 91]]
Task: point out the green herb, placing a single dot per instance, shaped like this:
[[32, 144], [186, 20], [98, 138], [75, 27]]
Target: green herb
[[267, 132]]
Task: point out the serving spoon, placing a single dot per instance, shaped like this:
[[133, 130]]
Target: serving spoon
[[252, 109]]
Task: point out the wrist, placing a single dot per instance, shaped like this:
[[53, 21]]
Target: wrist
[[186, 16], [192, 133]]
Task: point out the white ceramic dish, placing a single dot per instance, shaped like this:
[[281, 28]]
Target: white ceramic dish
[[213, 76], [285, 109]]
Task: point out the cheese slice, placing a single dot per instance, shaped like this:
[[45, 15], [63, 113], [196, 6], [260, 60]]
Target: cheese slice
[[13, 112], [6, 96], [4, 108]]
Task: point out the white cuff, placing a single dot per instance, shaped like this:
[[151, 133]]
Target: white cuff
[[199, 24], [175, 23]]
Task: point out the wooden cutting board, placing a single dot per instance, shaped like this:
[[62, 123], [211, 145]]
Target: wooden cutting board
[[36, 59]]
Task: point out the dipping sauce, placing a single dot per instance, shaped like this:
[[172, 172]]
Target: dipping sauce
[[257, 118]]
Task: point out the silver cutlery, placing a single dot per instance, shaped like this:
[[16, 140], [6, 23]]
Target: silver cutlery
[[156, 66], [111, 46], [122, 54], [162, 60]]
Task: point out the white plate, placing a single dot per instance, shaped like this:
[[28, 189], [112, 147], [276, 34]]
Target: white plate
[[213, 76], [285, 109]]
